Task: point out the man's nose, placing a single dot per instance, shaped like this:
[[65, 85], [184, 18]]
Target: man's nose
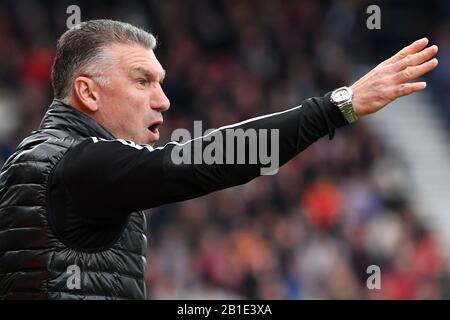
[[161, 103]]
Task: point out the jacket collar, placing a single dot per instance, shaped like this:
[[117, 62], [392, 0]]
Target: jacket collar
[[66, 118]]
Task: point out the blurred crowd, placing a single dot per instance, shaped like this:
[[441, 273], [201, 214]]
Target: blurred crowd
[[441, 78], [312, 230]]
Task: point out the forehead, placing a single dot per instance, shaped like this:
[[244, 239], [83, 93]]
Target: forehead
[[133, 58]]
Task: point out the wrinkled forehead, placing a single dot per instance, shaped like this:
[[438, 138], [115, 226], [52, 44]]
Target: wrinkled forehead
[[134, 59]]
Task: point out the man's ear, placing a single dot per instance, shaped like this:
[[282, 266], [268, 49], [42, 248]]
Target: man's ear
[[86, 92]]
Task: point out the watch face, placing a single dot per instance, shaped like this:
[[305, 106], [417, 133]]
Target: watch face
[[341, 95]]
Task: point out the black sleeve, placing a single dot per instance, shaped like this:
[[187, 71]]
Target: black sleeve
[[116, 177]]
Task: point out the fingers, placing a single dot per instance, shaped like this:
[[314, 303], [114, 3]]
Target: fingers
[[408, 88], [415, 59], [411, 73], [414, 47]]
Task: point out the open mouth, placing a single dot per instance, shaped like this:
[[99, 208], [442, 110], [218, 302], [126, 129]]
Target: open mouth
[[153, 130], [154, 127]]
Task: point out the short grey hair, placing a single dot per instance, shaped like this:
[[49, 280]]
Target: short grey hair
[[81, 50]]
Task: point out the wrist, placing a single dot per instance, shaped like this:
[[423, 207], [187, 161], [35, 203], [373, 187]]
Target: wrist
[[357, 101]]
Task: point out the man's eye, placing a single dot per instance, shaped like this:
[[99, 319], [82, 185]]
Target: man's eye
[[142, 82]]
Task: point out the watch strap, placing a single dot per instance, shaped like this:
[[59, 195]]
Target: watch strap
[[348, 112]]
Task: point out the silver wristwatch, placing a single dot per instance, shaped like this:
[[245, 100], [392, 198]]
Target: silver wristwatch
[[342, 98]]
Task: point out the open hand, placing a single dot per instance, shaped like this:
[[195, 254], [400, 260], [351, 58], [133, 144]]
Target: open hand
[[390, 79]]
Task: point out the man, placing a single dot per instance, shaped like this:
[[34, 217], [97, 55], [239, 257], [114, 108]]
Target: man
[[71, 196]]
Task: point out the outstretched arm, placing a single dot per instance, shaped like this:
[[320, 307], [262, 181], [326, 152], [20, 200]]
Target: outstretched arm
[[110, 178]]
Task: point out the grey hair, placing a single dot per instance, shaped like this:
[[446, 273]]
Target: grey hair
[[82, 50]]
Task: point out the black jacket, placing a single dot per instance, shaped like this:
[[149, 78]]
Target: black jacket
[[34, 262], [67, 192]]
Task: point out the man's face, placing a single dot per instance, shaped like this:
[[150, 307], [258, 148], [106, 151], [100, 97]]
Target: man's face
[[131, 105]]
